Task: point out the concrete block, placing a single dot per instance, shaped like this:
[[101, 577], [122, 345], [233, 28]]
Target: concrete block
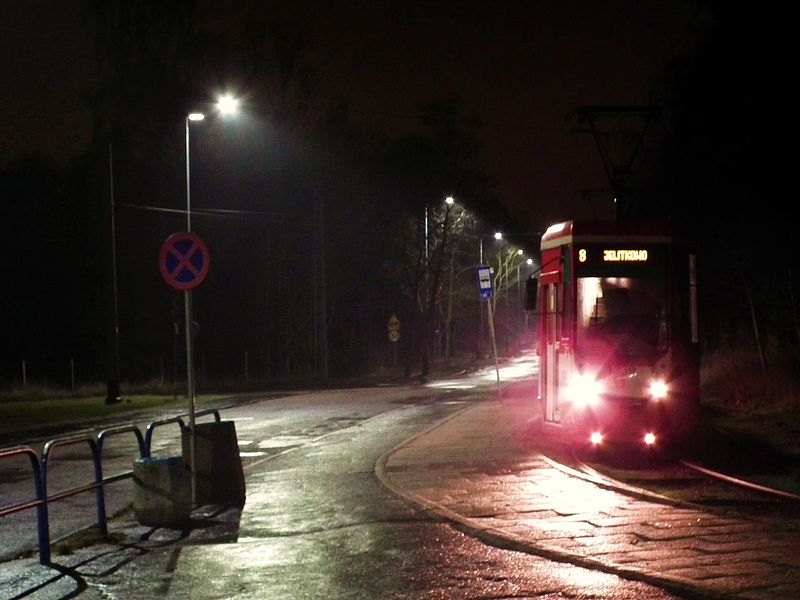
[[220, 477], [162, 491]]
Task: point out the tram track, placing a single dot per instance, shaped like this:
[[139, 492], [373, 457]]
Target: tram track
[[683, 482], [743, 483]]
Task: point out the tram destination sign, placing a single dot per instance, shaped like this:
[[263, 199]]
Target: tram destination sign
[[619, 257], [625, 255]]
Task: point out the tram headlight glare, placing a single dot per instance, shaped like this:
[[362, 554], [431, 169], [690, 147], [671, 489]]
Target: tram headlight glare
[[658, 389], [584, 390]]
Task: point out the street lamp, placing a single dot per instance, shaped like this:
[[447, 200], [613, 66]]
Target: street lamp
[[497, 235], [226, 105], [449, 200], [113, 389]]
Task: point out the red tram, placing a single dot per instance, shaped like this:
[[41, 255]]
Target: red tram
[[618, 332]]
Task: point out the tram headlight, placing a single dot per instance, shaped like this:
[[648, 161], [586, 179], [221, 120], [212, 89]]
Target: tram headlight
[[584, 390], [658, 389]]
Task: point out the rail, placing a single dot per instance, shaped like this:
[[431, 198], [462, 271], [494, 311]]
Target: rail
[[49, 447], [40, 503], [148, 438], [40, 469]]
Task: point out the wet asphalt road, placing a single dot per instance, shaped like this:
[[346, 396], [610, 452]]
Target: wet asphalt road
[[317, 523]]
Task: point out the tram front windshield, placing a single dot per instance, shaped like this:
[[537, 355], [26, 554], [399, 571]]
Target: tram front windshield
[[626, 314]]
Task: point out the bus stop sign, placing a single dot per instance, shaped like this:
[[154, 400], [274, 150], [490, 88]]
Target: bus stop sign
[[485, 282]]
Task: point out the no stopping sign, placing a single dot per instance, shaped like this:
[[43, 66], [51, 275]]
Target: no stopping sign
[[184, 260]]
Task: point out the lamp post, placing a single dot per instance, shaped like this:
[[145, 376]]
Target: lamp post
[[113, 389], [450, 202], [226, 105], [187, 309], [497, 236], [428, 293], [523, 299]]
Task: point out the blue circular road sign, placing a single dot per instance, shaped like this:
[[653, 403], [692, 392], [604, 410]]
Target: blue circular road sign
[[184, 260]]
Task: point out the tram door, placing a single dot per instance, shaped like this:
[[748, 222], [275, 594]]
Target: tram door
[[551, 323]]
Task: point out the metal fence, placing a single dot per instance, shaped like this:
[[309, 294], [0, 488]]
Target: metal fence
[[39, 470]]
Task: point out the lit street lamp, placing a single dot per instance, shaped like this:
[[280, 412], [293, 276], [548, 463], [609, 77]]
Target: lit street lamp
[[497, 235], [429, 293], [226, 106], [450, 201]]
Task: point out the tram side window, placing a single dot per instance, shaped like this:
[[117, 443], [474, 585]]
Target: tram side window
[[532, 293], [559, 307], [566, 315], [554, 316], [591, 303]]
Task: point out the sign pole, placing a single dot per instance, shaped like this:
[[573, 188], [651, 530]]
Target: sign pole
[[486, 291], [494, 341], [184, 262], [393, 327], [187, 305]]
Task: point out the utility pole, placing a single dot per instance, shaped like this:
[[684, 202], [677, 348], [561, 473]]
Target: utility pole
[[618, 132]]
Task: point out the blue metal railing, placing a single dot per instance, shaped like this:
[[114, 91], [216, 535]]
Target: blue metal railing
[[148, 438], [40, 503], [97, 485], [40, 468]]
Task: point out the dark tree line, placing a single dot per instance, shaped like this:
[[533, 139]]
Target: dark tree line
[[725, 166], [300, 209]]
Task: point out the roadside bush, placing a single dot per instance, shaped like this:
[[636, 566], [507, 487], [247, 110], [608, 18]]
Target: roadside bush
[[735, 377]]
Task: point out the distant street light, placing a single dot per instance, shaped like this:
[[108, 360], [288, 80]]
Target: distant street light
[[226, 106], [497, 235], [449, 200]]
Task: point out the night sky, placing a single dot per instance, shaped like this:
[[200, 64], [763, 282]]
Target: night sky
[[721, 159], [519, 66]]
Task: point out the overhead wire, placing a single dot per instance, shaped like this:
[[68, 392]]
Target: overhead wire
[[212, 212]]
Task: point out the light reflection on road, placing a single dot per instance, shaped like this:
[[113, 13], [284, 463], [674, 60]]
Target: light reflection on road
[[521, 367]]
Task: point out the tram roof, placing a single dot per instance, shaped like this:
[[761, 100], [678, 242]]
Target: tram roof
[[566, 232]]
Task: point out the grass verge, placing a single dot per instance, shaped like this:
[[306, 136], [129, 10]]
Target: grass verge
[[32, 415]]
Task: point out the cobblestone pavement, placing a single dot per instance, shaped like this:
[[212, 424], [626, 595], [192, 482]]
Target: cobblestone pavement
[[480, 470]]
